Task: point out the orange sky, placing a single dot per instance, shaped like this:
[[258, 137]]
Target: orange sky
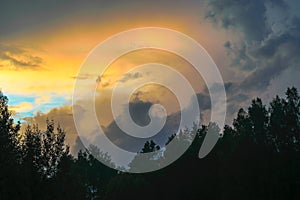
[[64, 43]]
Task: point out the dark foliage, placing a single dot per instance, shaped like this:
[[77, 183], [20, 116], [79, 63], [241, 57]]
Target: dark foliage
[[258, 157]]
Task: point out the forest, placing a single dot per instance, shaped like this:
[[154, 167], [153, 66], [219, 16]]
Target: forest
[[256, 157]]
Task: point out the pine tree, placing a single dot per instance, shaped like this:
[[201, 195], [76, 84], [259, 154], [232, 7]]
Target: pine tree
[[9, 151]]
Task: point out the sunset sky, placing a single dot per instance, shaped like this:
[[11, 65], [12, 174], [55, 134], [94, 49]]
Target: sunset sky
[[255, 44]]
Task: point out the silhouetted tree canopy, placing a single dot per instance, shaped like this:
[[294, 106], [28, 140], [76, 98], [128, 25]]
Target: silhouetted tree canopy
[[257, 157]]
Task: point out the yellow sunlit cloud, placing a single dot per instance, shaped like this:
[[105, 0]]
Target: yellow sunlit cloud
[[22, 107], [63, 47]]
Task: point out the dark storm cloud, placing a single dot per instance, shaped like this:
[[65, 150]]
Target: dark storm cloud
[[227, 45], [277, 54], [270, 68], [248, 16], [245, 15], [203, 101], [138, 110], [139, 114], [271, 38], [19, 58], [240, 56]]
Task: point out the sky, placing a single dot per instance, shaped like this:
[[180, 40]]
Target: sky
[[254, 43]]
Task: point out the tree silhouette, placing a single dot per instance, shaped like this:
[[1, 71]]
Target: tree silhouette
[[257, 157], [144, 160], [9, 151]]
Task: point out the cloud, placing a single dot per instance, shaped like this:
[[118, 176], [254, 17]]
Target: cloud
[[77, 146], [139, 112], [278, 86], [269, 46], [62, 116], [240, 57], [248, 16], [204, 101], [82, 77], [140, 117], [138, 107], [131, 76], [22, 107], [13, 57], [42, 99]]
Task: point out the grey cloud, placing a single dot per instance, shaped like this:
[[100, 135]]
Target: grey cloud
[[19, 58], [274, 57], [77, 146], [245, 15], [203, 101], [131, 76], [229, 87], [227, 45], [62, 116], [12, 49], [274, 44], [236, 98], [242, 58], [139, 113], [271, 38]]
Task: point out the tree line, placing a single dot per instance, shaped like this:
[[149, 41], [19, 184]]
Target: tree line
[[257, 157]]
